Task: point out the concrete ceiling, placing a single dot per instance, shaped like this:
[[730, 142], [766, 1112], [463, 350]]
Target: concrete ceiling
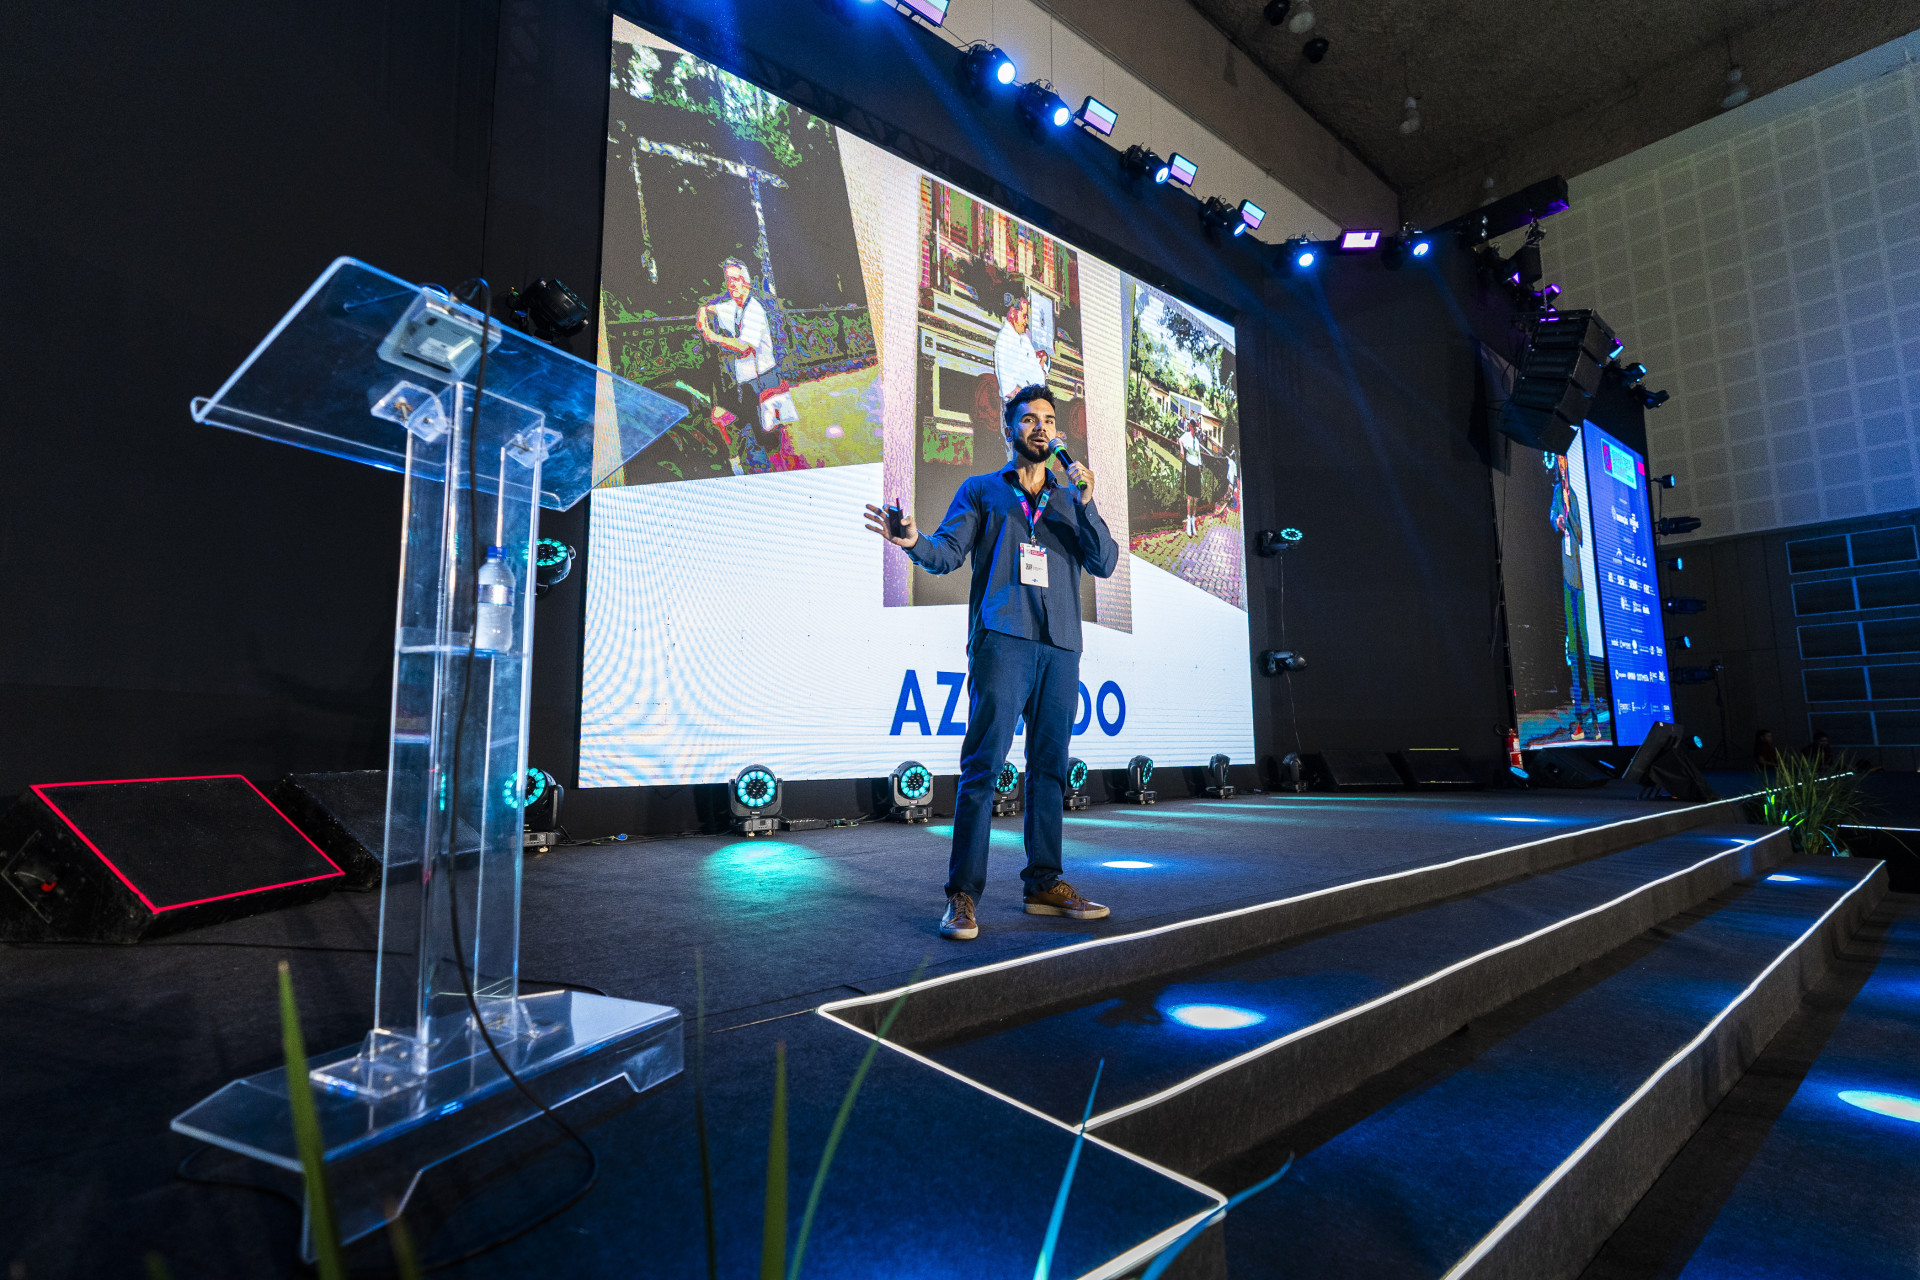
[[1519, 90]]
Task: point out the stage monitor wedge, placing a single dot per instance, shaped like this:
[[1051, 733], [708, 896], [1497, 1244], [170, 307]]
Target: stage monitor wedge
[[345, 814], [134, 859], [1359, 771], [1436, 768]]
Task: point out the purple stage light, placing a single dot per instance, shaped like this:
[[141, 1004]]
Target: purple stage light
[[934, 11], [1251, 215], [1355, 241], [1182, 170]]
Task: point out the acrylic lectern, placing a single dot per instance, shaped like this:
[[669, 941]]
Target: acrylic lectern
[[487, 425]]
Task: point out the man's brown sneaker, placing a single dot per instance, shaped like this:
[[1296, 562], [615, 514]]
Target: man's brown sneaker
[[959, 923], [1063, 900]]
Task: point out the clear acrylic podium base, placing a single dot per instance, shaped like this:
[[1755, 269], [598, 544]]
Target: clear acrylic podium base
[[376, 1150]]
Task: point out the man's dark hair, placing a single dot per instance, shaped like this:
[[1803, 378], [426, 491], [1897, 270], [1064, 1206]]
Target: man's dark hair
[[745, 270], [1022, 396]]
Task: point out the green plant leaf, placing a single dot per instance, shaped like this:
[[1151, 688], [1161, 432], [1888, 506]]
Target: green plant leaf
[[773, 1232], [406, 1263], [322, 1226], [840, 1122]]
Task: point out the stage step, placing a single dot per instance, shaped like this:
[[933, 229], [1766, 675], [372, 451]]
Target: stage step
[[1206, 1063], [955, 1005], [1520, 1160], [1811, 1166]]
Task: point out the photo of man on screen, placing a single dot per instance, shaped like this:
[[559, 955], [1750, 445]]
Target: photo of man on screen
[[1565, 513], [749, 391], [1017, 362]]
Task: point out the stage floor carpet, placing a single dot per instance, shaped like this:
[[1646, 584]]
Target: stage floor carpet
[[106, 1044]]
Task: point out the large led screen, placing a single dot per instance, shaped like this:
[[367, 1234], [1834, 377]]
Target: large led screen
[[1550, 579], [1629, 589], [844, 329]]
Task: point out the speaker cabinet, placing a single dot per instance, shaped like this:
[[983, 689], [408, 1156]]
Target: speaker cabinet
[[127, 860], [1436, 768]]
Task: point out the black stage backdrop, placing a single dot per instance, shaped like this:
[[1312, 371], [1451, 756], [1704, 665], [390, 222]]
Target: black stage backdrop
[[187, 600]]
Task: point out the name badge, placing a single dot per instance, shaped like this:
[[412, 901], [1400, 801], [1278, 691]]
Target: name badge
[[1033, 564]]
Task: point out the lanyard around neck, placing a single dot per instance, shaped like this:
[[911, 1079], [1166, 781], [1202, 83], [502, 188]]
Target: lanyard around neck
[[1034, 510]]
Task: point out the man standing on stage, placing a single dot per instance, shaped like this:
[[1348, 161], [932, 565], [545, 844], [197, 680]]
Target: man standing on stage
[[1016, 362], [1029, 537]]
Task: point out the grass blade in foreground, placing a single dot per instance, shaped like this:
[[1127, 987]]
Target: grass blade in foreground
[[840, 1122], [1172, 1251], [406, 1263], [322, 1227], [773, 1233], [1045, 1264]]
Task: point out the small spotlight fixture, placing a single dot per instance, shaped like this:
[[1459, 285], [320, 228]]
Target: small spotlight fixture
[[1217, 785], [552, 562], [1737, 92], [1301, 21], [539, 801], [1695, 675], [1097, 116], [1138, 162], [1315, 49], [1359, 241], [1675, 563], [1685, 642], [1407, 243], [1251, 215], [983, 66], [1666, 481], [1217, 215], [1293, 773], [1276, 11], [755, 798], [1685, 604], [1297, 255], [912, 784], [547, 309], [1075, 796], [1409, 116], [1139, 774], [1671, 525], [1633, 374], [1040, 106], [1275, 661], [1271, 542], [1182, 170], [1654, 399], [1006, 791]]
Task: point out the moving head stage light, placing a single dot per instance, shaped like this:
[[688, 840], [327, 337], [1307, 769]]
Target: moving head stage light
[[983, 66], [912, 784], [1006, 791], [1041, 107], [1558, 376], [1217, 785], [1139, 774], [552, 562], [1275, 661], [754, 799], [547, 309], [1076, 795]]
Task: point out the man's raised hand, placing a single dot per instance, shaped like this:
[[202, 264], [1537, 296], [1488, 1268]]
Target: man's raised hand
[[878, 519]]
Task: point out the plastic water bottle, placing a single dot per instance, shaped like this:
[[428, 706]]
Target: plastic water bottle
[[493, 620]]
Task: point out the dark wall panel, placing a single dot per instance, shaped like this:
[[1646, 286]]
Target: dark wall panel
[[186, 599]]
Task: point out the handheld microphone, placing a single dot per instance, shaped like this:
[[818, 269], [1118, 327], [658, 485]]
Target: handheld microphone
[[1059, 450]]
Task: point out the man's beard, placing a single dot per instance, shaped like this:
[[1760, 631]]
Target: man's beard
[[1027, 453]]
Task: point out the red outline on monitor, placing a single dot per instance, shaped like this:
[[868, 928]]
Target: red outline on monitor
[[200, 777]]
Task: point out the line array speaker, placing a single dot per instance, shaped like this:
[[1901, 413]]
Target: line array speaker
[[1565, 354]]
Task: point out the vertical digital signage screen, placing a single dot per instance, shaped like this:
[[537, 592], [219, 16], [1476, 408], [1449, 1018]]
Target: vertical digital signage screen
[[1630, 617], [844, 329], [1548, 572]]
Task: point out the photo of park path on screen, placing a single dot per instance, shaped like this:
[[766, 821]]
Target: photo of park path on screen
[[1183, 444], [730, 278], [845, 329]]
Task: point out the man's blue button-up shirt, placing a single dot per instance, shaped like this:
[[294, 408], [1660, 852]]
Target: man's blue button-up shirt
[[989, 521]]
